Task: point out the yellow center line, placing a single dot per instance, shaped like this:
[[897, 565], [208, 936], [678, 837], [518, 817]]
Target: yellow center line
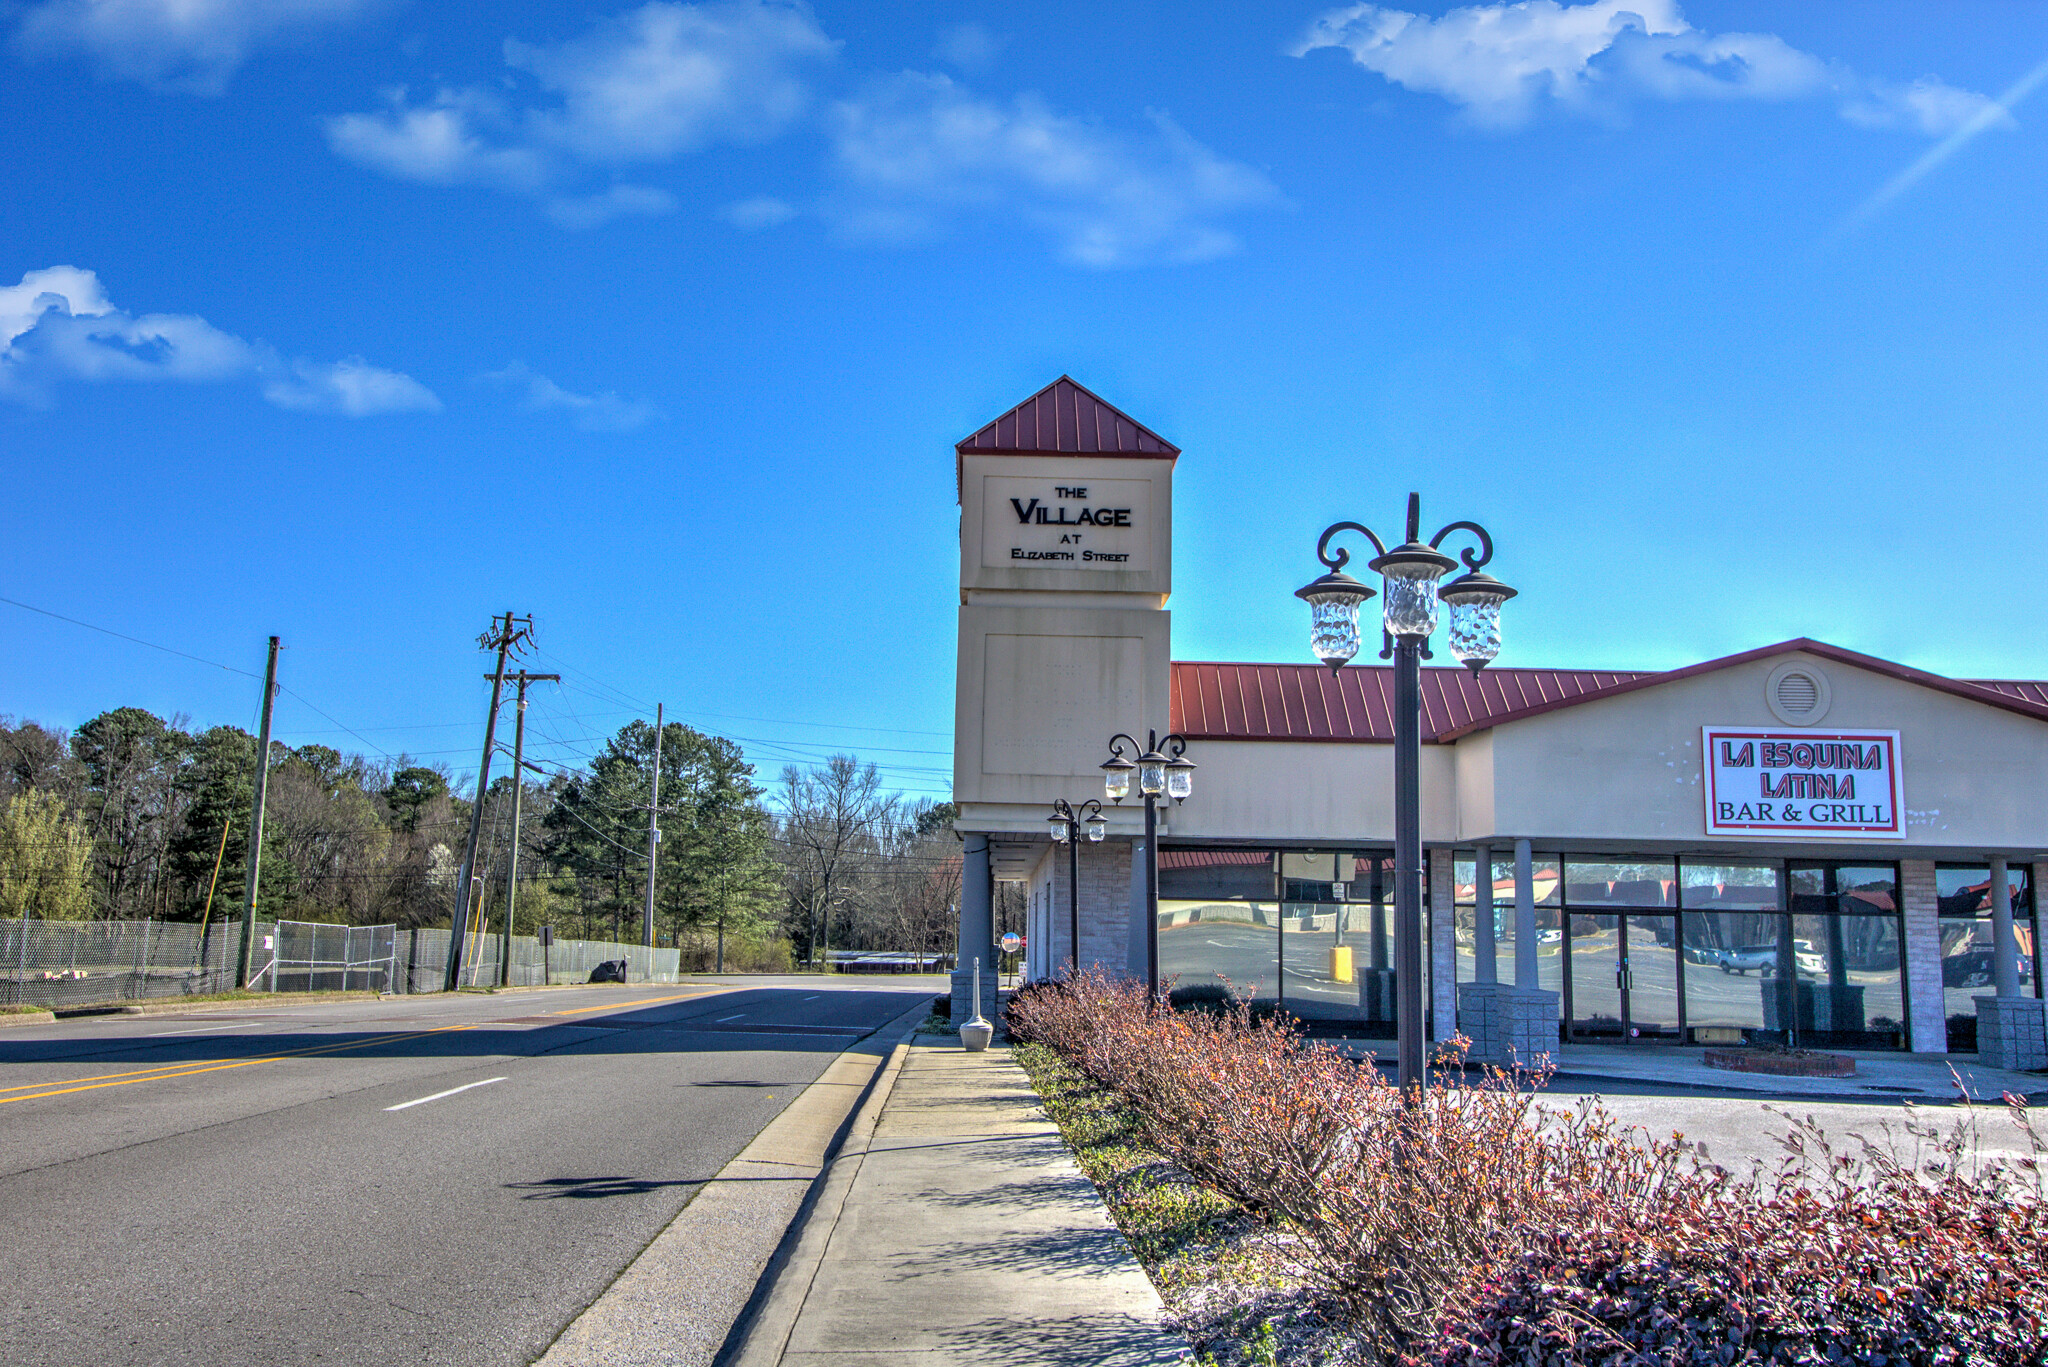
[[176, 1070]]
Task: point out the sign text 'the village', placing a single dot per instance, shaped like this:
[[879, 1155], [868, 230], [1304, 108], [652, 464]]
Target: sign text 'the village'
[[1098, 524]]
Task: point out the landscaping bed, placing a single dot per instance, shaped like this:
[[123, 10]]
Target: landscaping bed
[[1292, 1209], [1782, 1062]]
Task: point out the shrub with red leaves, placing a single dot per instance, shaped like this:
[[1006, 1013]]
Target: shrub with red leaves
[[1833, 1260], [1463, 1226]]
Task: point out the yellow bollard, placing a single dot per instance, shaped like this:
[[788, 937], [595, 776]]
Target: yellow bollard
[[1340, 963]]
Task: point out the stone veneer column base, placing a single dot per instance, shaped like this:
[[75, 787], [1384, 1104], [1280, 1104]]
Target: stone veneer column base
[[963, 995], [2012, 1033], [1508, 1026]]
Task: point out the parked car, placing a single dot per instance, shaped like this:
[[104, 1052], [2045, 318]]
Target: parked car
[[1744, 958], [1764, 959]]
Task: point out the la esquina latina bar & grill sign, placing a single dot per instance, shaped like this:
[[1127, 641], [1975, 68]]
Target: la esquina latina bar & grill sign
[[1781, 783]]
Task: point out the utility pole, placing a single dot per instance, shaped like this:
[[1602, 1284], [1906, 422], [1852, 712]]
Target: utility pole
[[518, 791], [653, 832], [503, 636], [255, 860]]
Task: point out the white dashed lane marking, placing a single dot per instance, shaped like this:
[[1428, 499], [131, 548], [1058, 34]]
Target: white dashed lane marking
[[421, 1101]]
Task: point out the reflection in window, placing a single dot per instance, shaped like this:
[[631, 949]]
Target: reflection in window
[[1547, 887], [1219, 920], [1606, 883], [1731, 968], [1969, 965]]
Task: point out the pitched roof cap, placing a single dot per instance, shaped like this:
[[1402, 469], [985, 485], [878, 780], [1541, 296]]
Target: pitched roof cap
[[1063, 419]]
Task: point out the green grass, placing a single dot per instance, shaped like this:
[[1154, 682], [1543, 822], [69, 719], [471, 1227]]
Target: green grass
[[1185, 1234], [24, 1010]]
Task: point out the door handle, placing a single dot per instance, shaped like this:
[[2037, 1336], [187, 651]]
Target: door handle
[[1621, 977]]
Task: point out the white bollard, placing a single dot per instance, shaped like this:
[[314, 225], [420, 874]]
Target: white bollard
[[976, 1033]]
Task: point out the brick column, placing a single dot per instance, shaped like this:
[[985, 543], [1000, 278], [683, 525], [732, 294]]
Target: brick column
[[1927, 1031], [1443, 944], [1105, 904]]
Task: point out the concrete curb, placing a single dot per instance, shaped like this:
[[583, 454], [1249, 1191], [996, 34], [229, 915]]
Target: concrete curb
[[27, 1018], [697, 1285], [762, 1332]]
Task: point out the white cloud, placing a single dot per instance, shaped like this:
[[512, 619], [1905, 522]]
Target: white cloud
[[671, 78], [917, 152], [762, 211], [604, 411], [644, 87], [1503, 63], [353, 388], [179, 44], [443, 141], [58, 325]]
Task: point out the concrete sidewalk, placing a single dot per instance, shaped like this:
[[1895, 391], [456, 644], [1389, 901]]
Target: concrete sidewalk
[[956, 1229]]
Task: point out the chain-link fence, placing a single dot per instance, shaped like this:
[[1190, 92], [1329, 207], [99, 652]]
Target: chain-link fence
[[305, 956], [565, 961], [60, 964], [63, 965]]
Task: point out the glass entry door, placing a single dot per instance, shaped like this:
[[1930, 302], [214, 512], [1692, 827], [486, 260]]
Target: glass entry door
[[1624, 977]]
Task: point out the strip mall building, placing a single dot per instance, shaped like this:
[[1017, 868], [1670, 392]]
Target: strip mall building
[[1796, 837]]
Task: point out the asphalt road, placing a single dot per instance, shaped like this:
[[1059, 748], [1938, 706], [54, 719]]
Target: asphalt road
[[413, 1180]]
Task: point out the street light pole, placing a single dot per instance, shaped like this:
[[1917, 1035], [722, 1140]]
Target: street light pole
[[1163, 770], [1408, 856], [1066, 830], [1409, 574]]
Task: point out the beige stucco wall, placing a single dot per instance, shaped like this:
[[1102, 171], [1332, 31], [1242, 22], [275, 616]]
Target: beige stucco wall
[[1625, 773], [1041, 689], [1628, 769], [1339, 793]]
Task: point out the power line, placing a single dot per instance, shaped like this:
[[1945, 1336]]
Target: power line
[[137, 640]]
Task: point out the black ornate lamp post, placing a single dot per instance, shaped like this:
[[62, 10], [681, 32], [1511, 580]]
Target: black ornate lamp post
[[1066, 825], [1163, 770], [1409, 574]]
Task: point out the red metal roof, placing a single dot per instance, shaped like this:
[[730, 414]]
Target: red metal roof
[[1063, 419], [1213, 701], [2025, 690], [1307, 702]]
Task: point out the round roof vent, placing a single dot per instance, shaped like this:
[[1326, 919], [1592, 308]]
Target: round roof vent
[[1797, 693]]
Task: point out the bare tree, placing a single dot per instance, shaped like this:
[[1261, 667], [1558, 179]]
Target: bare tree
[[834, 819]]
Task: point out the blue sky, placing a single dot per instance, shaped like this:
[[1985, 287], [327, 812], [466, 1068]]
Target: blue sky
[[357, 321]]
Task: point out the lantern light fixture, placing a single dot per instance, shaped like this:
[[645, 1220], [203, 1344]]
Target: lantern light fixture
[[1116, 777]]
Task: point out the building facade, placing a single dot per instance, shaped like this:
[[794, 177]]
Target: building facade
[[1796, 842]]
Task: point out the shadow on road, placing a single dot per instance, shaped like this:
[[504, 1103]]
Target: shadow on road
[[593, 1188], [646, 1030]]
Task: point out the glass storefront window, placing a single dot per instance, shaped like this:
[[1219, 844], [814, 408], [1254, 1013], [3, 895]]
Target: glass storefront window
[[1309, 931], [1338, 936], [1968, 966], [1219, 920], [1731, 969], [1610, 883], [1547, 888], [1846, 953], [1736, 949]]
